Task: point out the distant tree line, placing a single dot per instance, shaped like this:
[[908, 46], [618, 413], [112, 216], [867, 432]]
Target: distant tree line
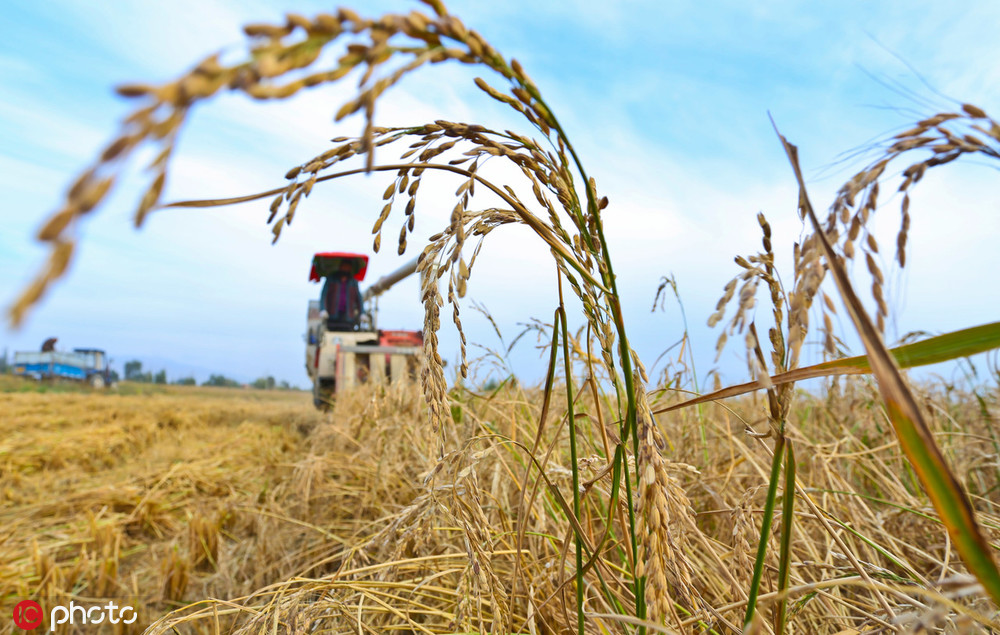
[[4, 366], [134, 372], [268, 383]]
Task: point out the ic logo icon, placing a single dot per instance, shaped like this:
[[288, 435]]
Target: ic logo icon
[[28, 615]]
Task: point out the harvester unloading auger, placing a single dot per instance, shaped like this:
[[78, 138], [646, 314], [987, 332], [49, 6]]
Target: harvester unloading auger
[[344, 346]]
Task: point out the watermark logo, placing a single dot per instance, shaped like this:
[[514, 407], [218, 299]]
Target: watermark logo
[[28, 615]]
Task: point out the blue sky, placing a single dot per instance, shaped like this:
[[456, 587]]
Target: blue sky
[[667, 103]]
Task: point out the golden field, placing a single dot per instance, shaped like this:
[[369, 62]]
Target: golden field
[[353, 522], [138, 496]]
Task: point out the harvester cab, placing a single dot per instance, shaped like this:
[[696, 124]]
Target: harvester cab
[[344, 346], [340, 300]]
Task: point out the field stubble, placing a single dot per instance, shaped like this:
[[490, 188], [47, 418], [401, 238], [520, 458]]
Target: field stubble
[[353, 520]]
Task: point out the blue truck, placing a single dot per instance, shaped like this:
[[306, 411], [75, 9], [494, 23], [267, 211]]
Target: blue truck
[[85, 365]]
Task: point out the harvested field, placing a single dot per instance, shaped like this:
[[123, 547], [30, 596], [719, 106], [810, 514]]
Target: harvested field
[[250, 497], [153, 497]]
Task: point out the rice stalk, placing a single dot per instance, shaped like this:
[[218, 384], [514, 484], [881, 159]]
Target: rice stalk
[[946, 492]]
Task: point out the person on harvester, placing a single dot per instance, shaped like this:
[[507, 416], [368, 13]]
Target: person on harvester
[[341, 298]]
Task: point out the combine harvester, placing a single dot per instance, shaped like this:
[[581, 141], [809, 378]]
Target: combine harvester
[[344, 346], [84, 365]]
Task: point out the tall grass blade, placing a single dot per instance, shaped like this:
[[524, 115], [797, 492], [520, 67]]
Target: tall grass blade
[[915, 438], [574, 462], [765, 530], [933, 350], [546, 400], [787, 522]]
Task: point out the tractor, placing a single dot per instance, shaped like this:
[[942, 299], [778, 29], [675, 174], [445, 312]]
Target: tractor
[[344, 346], [83, 365]]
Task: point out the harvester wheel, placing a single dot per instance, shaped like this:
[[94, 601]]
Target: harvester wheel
[[322, 397], [97, 381]]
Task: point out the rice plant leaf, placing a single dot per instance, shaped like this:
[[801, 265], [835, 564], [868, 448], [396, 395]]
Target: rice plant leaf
[[765, 530], [787, 523], [933, 350], [561, 312], [944, 490]]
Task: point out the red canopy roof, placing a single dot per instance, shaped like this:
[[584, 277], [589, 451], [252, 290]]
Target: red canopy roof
[[329, 262]]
